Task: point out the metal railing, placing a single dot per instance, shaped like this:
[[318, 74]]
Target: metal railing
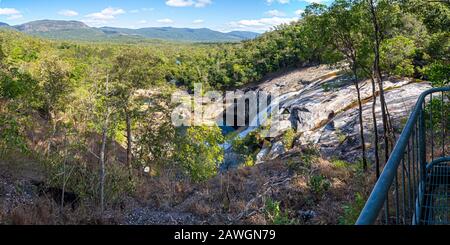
[[414, 187]]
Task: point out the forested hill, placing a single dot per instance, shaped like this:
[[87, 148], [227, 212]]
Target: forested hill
[[182, 34], [75, 30]]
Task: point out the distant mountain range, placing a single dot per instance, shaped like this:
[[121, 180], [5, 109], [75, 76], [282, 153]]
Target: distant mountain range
[[76, 30]]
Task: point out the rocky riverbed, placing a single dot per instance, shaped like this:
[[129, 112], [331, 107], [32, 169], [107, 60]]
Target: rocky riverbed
[[320, 103]]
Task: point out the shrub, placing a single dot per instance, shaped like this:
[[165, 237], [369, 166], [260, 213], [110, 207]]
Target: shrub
[[438, 73], [352, 210], [434, 112], [248, 145], [396, 56], [84, 180], [11, 137], [288, 139], [199, 152], [249, 161], [274, 214], [319, 184], [341, 137], [309, 155], [338, 163]]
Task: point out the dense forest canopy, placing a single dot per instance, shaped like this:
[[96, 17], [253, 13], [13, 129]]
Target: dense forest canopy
[[84, 92]]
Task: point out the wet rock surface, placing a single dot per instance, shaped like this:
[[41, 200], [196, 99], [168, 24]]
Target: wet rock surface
[[322, 108]]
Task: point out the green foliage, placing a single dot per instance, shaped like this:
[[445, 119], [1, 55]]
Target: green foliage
[[155, 143], [435, 15], [199, 152], [11, 135], [83, 180], [288, 139], [249, 161], [438, 47], [435, 111], [330, 87], [352, 210], [397, 56], [438, 73], [338, 163], [341, 136], [356, 167], [319, 184], [15, 84], [55, 84], [274, 214], [305, 161], [248, 145]]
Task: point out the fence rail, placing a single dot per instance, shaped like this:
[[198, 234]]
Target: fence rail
[[414, 186]]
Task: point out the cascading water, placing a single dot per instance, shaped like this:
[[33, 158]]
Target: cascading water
[[286, 100]]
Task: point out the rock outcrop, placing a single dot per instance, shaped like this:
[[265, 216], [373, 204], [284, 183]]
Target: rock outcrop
[[321, 106]]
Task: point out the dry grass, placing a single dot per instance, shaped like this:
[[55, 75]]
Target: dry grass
[[40, 213], [239, 197]]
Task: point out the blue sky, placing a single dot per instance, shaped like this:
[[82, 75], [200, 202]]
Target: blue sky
[[221, 15]]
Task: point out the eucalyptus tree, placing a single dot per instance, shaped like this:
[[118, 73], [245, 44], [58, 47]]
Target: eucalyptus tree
[[54, 79], [54, 89], [377, 10], [199, 151], [344, 21], [312, 27], [133, 69]]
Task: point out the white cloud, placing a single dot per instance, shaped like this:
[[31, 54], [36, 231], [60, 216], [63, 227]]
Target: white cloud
[[202, 3], [275, 13], [165, 21], [15, 17], [314, 1], [142, 22], [277, 1], [299, 12], [136, 11], [104, 16], [188, 3], [198, 21], [68, 13], [179, 3], [9, 11], [260, 25]]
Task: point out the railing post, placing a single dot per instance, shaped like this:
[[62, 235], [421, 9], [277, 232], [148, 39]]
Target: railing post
[[422, 162], [422, 145]]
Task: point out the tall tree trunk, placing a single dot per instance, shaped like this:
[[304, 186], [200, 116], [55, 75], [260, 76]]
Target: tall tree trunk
[[103, 154], [63, 189], [379, 78], [375, 127], [129, 144], [102, 167], [52, 120], [361, 122]]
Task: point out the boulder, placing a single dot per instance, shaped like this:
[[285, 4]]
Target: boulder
[[261, 157], [277, 150]]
